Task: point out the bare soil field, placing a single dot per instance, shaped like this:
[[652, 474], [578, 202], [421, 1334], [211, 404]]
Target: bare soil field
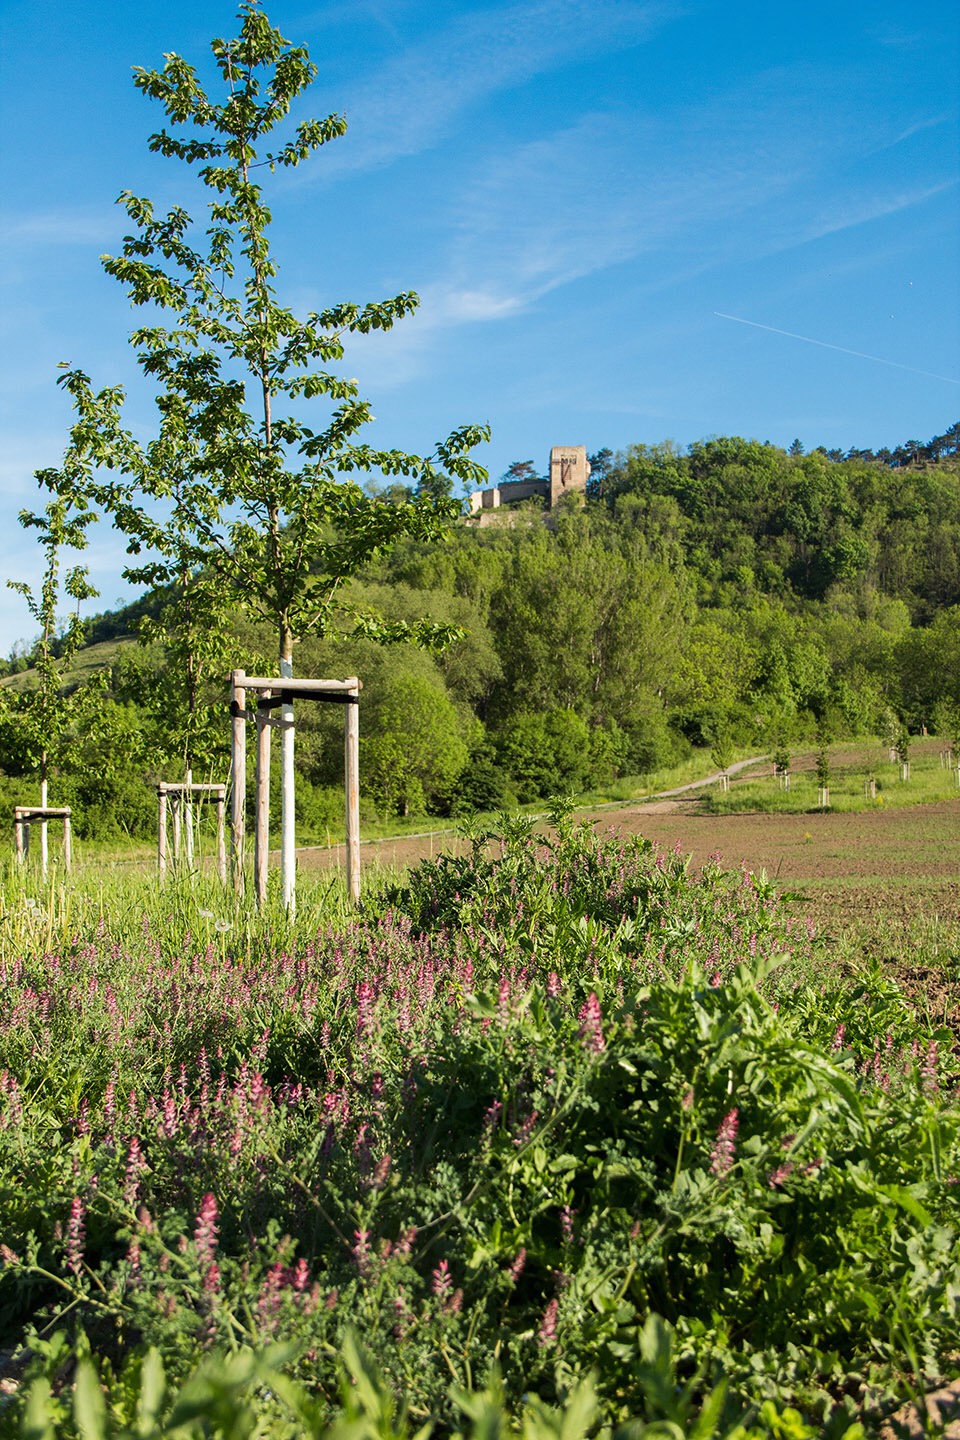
[[892, 878], [846, 863]]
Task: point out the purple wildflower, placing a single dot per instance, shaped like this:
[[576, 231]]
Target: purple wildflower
[[76, 1233], [440, 1281], [928, 1071], [516, 1268], [135, 1167], [361, 1251], [725, 1146], [591, 1024], [205, 1234], [548, 1325]]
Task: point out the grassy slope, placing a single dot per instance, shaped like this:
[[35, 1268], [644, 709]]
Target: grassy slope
[[87, 662]]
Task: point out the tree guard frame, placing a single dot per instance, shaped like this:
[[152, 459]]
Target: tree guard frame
[[272, 692], [26, 815], [181, 798]]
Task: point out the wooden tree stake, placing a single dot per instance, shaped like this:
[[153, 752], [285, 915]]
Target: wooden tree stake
[[262, 832]]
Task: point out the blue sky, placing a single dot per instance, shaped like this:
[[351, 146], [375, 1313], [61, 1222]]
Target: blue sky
[[610, 210]]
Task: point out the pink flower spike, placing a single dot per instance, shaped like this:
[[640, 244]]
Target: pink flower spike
[[783, 1172], [205, 1234], [725, 1146], [440, 1279], [548, 1325], [591, 1024], [76, 1233], [519, 1261]]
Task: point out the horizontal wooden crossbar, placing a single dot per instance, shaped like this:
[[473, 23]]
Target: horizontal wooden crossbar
[[183, 789], [258, 682], [40, 812]]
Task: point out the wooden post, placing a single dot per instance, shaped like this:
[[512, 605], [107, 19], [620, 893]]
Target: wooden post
[[67, 847], [18, 837], [288, 856], [26, 840], [351, 757], [162, 829], [238, 778], [188, 818], [262, 830], [221, 842]]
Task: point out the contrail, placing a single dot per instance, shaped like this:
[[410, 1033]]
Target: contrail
[[948, 379]]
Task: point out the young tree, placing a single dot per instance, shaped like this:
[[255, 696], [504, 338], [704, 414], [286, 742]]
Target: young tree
[[270, 506], [721, 754], [39, 719], [822, 763]]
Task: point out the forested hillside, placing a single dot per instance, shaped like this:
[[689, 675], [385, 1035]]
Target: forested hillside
[[731, 593]]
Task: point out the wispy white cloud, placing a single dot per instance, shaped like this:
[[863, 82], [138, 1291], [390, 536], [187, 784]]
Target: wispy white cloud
[[736, 178], [848, 212], [897, 37], [931, 122], [59, 227], [411, 102]]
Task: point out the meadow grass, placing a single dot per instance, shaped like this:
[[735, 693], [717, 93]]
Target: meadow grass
[[929, 783]]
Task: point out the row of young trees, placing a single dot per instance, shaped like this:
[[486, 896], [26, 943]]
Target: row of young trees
[[236, 500], [585, 651], [729, 592]]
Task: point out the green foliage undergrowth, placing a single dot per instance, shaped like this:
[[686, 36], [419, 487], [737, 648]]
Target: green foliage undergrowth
[[554, 1119]]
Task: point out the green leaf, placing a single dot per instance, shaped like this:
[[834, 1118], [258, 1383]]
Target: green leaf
[[908, 1202], [37, 1423], [89, 1407], [153, 1385]]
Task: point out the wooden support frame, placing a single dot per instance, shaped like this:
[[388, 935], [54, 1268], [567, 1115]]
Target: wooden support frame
[[177, 801], [26, 815], [273, 692]]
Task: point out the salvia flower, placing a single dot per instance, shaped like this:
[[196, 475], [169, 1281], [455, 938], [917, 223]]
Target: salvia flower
[[591, 1024], [516, 1268], [548, 1324], [205, 1234], [928, 1072], [725, 1146], [76, 1234], [361, 1251], [440, 1281]]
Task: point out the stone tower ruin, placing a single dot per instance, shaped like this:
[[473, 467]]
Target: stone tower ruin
[[569, 471]]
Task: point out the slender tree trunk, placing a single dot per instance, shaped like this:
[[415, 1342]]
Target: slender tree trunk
[[43, 823], [288, 858]]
